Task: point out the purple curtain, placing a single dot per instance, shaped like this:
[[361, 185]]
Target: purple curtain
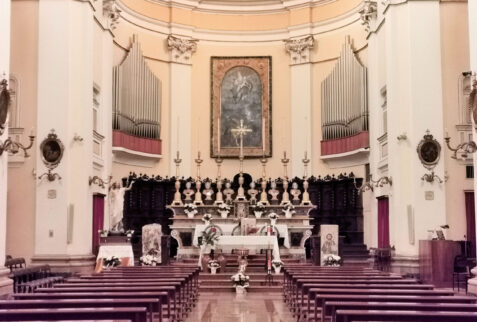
[[470, 218], [98, 220], [383, 222]]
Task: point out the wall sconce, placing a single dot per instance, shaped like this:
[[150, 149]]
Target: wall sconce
[[431, 177], [465, 148], [371, 184], [50, 176], [14, 147], [99, 181], [77, 138], [402, 137]]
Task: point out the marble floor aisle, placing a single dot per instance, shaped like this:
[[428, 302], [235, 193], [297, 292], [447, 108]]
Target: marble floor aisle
[[252, 307]]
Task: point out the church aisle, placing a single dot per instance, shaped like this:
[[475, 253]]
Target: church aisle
[[228, 307]]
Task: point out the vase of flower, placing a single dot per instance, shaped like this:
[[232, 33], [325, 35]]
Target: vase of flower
[[240, 290], [288, 209], [258, 214], [277, 266], [224, 214], [190, 210], [273, 218], [277, 269]]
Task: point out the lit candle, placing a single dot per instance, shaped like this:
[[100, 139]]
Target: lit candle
[[306, 155], [32, 131], [447, 133], [198, 155]]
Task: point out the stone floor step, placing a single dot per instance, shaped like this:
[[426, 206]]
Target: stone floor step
[[252, 289]]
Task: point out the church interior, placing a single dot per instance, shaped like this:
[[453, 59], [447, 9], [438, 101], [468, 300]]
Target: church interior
[[232, 160]]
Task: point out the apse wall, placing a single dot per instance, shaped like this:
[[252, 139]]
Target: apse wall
[[225, 34]]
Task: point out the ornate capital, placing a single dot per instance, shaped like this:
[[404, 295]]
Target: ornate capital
[[368, 13], [299, 49], [111, 12], [181, 49]]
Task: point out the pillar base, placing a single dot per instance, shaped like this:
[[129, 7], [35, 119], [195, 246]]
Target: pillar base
[[6, 284], [66, 263], [405, 265], [472, 283]]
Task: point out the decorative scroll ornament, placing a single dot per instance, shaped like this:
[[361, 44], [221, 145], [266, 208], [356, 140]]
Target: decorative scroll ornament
[[368, 13], [181, 48], [299, 49], [112, 12]]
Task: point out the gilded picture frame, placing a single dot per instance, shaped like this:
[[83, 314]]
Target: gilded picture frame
[[241, 91]]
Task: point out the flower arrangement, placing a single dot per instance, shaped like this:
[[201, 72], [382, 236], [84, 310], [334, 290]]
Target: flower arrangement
[[149, 260], [209, 238], [213, 263], [288, 207], [259, 207], [103, 232], [190, 209], [240, 279], [224, 207], [277, 263], [207, 218], [332, 260], [273, 216], [112, 261]]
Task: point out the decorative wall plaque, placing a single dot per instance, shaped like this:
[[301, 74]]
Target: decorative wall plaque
[[429, 151], [51, 151]]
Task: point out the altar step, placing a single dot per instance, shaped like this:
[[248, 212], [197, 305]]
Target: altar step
[[354, 253], [221, 282]]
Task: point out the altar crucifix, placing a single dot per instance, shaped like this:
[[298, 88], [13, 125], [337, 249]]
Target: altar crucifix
[[240, 132]]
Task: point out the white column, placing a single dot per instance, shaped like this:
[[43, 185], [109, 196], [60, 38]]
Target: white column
[[413, 77], [472, 5], [301, 116], [65, 98], [5, 13], [181, 51]]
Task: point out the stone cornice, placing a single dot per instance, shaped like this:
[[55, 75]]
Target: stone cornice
[[233, 36]]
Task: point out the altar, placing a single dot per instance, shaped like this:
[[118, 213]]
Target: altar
[[253, 243]]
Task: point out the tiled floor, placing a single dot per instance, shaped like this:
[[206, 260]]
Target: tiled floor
[[229, 307]]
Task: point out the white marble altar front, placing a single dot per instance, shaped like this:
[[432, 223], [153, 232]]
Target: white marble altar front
[[253, 243]]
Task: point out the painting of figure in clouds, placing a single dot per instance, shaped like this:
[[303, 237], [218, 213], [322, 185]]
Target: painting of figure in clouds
[[241, 92]]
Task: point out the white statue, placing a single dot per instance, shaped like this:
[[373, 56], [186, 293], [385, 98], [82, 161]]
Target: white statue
[[252, 193], [295, 192], [208, 192], [228, 192], [116, 205], [273, 191]]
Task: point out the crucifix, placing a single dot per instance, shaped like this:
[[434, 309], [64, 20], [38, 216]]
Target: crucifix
[[241, 131]]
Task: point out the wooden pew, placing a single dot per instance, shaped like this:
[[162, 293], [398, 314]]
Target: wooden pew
[[422, 316], [330, 307], [313, 293], [153, 305], [135, 314], [162, 296]]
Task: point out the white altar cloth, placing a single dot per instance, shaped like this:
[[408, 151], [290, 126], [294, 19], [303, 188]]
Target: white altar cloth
[[227, 231], [250, 242], [120, 251]]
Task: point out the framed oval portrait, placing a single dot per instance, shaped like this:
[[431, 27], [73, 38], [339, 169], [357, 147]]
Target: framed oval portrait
[[52, 150], [429, 151]]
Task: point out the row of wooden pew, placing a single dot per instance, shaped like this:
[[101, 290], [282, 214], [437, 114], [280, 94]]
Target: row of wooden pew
[[344, 294], [139, 294]]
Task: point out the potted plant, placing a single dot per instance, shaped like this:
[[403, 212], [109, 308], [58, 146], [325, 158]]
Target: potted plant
[[111, 261], [213, 265], [273, 218], [288, 209], [258, 210], [240, 281], [207, 218], [190, 209], [332, 260], [209, 238], [277, 266], [224, 210]]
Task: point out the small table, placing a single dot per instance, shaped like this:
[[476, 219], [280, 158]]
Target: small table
[[122, 251]]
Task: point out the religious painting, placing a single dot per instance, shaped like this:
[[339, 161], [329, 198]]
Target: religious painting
[[51, 150], [241, 103]]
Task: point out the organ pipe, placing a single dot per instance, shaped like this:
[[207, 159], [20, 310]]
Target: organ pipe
[[344, 97], [136, 96]]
